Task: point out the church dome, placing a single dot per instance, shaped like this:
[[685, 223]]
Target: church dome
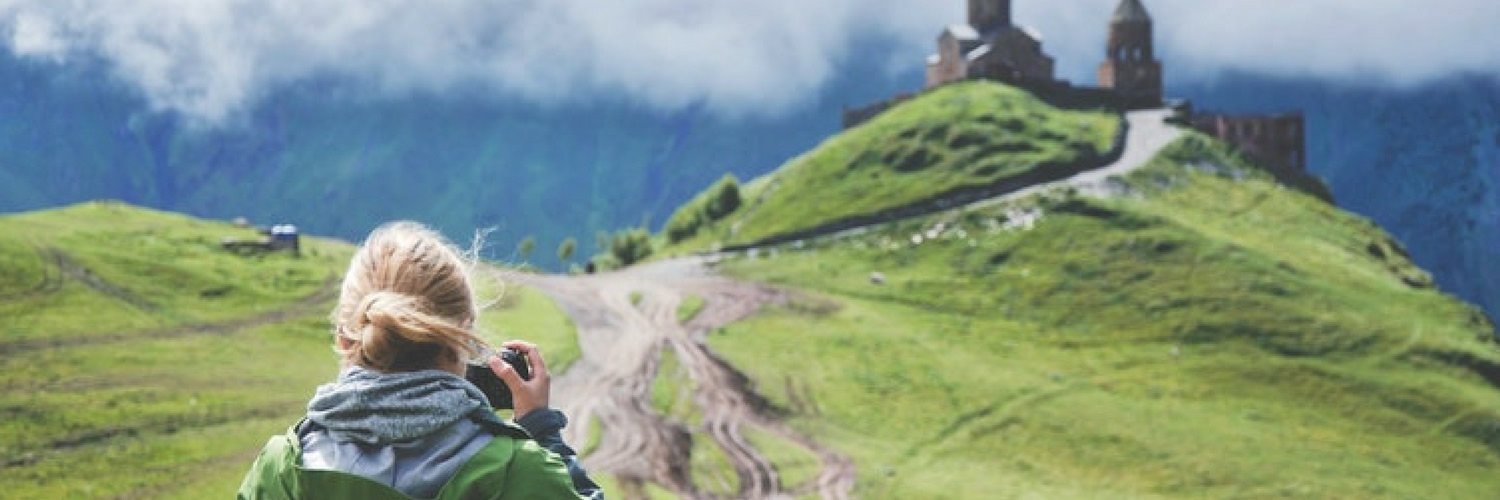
[[1130, 11]]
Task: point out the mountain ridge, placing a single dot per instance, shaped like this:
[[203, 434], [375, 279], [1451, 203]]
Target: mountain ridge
[[338, 164]]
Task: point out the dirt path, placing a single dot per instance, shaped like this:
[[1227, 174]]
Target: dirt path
[[623, 342], [622, 345]]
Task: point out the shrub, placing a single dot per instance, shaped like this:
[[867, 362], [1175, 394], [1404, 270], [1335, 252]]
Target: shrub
[[630, 246], [725, 198], [720, 200]]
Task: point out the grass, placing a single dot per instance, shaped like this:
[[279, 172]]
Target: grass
[[672, 390], [522, 312], [689, 308], [794, 464], [613, 487], [132, 339], [104, 269], [1209, 335], [964, 135], [139, 360]]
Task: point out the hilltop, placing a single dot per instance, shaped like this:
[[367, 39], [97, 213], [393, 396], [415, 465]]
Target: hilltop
[[958, 139]]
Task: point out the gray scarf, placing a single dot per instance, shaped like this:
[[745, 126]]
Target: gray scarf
[[376, 408]]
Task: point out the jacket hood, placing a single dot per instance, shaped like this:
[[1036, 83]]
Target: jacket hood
[[375, 408]]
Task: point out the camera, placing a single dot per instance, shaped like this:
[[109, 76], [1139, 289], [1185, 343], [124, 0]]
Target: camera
[[480, 374]]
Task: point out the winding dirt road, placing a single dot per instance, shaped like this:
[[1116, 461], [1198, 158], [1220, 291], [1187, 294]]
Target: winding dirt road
[[622, 345], [623, 341]]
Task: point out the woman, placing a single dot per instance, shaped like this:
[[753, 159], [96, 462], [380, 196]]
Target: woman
[[401, 421]]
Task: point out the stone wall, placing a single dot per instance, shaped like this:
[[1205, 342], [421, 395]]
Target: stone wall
[[1277, 142]]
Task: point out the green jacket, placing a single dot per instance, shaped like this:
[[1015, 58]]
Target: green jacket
[[511, 466]]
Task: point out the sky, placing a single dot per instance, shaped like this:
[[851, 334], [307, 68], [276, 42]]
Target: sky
[[212, 59]]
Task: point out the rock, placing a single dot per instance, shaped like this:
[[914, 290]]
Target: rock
[[877, 278]]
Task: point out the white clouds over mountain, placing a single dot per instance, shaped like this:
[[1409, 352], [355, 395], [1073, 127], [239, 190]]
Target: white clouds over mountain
[[1374, 41], [210, 58]]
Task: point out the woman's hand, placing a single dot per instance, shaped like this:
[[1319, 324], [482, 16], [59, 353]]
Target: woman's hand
[[525, 395]]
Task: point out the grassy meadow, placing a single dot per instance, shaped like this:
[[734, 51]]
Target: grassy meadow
[[1210, 334], [139, 360]]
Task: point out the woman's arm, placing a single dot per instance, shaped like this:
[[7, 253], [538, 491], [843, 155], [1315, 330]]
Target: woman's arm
[[545, 425]]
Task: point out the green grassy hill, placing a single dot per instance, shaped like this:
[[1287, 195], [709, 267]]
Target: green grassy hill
[[1207, 334], [960, 136], [141, 361]]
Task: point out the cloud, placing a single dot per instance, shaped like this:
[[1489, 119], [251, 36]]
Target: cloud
[[1397, 42], [209, 59]]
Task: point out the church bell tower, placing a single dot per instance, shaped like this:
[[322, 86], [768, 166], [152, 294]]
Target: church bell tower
[[1130, 64], [987, 16]]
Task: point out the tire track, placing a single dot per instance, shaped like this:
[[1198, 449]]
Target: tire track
[[622, 344], [165, 424], [52, 277]]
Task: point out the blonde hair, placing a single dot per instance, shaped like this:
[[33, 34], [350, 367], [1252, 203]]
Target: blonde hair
[[406, 301]]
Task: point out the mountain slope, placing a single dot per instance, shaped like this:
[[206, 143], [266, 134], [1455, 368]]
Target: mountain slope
[[1206, 332], [1423, 162]]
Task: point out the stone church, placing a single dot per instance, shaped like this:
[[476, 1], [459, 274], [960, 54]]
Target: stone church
[[991, 47]]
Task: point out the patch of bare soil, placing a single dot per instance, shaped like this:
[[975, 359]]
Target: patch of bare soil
[[622, 344]]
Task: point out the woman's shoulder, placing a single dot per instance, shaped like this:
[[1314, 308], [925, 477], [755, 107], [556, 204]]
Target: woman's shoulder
[[269, 474]]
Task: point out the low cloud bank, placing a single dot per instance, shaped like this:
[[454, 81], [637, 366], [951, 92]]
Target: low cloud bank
[[209, 59]]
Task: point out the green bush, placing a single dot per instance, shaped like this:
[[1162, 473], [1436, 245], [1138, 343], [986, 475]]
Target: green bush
[[630, 246], [720, 200], [684, 224], [725, 199]]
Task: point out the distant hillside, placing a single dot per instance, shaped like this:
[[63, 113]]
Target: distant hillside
[[1423, 162], [1206, 333]]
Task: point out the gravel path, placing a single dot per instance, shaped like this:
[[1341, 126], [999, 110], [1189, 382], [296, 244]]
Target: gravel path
[[1149, 133]]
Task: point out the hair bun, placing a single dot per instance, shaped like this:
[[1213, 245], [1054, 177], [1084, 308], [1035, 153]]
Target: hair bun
[[379, 310], [406, 303], [396, 330]]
